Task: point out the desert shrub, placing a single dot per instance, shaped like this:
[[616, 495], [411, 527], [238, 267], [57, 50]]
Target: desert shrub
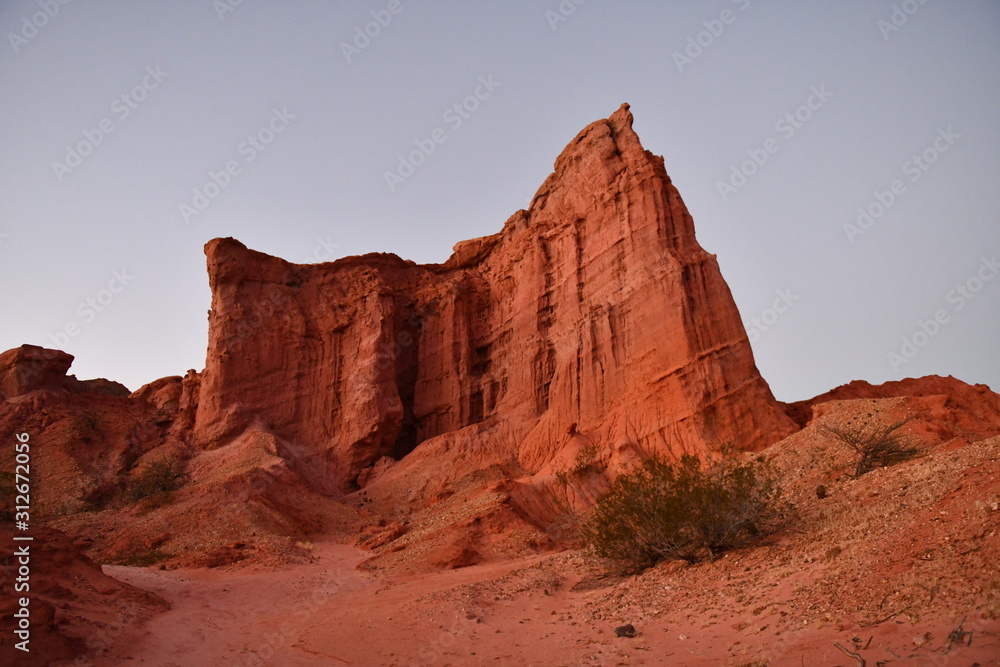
[[586, 461], [877, 445], [585, 458], [158, 477], [664, 510]]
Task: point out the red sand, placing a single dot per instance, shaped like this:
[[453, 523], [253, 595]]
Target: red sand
[[522, 612]]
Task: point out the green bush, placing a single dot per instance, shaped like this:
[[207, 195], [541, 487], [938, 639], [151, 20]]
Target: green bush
[[158, 477], [665, 510]]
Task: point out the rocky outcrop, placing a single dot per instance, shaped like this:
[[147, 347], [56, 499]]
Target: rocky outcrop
[[91, 445], [90, 434], [75, 610], [29, 368], [593, 321], [957, 409]]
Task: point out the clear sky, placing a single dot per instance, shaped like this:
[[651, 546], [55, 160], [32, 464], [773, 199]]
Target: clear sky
[[840, 158]]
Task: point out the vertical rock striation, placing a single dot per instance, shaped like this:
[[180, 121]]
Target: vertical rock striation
[[593, 319]]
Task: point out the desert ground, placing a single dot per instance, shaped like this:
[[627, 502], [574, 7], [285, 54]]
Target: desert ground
[[897, 567]]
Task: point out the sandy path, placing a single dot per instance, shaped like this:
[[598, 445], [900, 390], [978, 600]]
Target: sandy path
[[326, 613], [233, 618], [319, 613]]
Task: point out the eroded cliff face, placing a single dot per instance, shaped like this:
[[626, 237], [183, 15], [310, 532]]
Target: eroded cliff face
[[447, 414], [593, 321]]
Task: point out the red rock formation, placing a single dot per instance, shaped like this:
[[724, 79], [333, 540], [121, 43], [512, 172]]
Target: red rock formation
[[595, 308], [29, 368], [89, 432], [92, 439], [75, 611], [957, 409], [472, 402]]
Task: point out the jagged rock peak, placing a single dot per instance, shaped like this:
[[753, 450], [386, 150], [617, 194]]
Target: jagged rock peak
[[594, 309]]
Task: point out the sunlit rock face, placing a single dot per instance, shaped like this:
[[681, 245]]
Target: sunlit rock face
[[594, 315]]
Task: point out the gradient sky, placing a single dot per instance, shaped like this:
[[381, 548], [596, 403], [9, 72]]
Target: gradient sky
[[712, 85]]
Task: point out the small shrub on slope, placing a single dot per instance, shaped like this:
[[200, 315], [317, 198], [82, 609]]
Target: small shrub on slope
[[877, 445], [664, 510], [159, 477]]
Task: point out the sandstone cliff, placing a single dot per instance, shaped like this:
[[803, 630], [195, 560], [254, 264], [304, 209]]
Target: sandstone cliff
[[446, 413], [592, 321]]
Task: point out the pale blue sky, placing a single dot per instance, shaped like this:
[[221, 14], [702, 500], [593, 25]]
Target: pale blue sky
[[197, 85]]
